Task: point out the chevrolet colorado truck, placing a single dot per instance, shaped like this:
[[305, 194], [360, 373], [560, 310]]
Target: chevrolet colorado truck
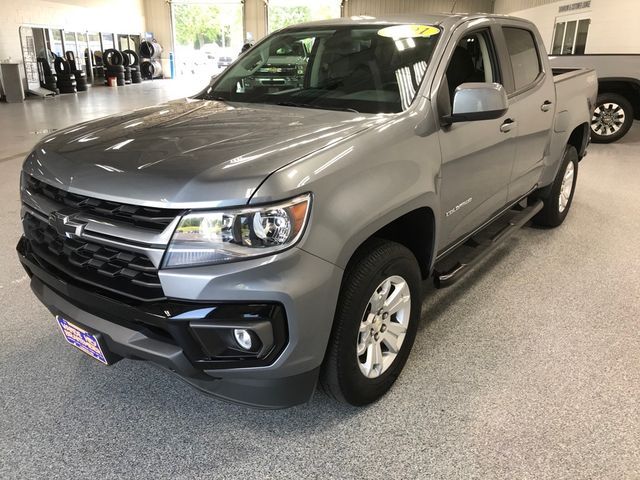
[[260, 240], [618, 102]]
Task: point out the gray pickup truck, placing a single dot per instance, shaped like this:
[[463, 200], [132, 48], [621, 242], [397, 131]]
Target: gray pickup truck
[[618, 102], [258, 240]]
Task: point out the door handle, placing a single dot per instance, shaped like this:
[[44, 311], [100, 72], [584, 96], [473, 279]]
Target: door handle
[[507, 125], [546, 106]]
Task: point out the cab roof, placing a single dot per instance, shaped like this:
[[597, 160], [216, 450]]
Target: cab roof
[[442, 19]]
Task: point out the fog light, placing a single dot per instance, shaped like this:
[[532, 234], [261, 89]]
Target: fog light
[[243, 337]]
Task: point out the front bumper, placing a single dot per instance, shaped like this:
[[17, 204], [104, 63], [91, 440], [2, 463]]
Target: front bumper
[[300, 284]]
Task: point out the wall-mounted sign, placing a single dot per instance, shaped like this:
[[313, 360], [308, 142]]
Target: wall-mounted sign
[[574, 6]]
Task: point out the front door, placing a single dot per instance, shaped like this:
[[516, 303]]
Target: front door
[[477, 156]]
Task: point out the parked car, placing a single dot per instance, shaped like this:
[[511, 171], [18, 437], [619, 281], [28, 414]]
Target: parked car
[[284, 68], [210, 50], [618, 102], [226, 56], [257, 243]]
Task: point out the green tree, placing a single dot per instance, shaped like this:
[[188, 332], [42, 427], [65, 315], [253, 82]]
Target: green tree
[[196, 25], [280, 17]]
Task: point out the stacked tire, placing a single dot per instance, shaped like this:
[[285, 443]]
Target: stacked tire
[[150, 69], [150, 66], [50, 79], [114, 66], [66, 79], [134, 66], [150, 49], [81, 77], [127, 68]]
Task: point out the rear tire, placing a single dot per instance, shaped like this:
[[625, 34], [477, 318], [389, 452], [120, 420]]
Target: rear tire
[[558, 196], [375, 323], [612, 118]]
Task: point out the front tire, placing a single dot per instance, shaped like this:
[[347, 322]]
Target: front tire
[[375, 323], [612, 118], [558, 196]]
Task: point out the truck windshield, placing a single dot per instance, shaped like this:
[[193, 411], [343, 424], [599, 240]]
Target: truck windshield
[[369, 69]]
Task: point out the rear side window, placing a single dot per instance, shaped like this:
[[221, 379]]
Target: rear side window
[[524, 56]]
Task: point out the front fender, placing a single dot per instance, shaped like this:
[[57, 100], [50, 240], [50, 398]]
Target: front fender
[[360, 185]]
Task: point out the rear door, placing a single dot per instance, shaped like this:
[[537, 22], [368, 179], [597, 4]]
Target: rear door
[[533, 102], [477, 156]]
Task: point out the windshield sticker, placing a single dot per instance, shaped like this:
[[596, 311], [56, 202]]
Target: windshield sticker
[[409, 31]]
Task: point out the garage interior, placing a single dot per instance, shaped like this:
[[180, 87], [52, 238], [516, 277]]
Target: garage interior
[[529, 367]]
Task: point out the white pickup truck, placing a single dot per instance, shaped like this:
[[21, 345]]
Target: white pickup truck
[[618, 103]]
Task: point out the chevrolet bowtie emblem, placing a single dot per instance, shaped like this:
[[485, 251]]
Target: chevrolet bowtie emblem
[[66, 225]]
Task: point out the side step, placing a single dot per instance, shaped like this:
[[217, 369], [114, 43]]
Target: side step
[[476, 249]]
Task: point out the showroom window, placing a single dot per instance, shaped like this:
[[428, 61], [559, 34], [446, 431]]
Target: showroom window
[[208, 36], [523, 53], [570, 38], [55, 42], [107, 41], [94, 42], [282, 13], [76, 43]]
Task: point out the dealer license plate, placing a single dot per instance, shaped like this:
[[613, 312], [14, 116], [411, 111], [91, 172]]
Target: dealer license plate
[[82, 340]]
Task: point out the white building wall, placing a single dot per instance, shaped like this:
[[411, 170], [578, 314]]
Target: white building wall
[[382, 7], [158, 21], [111, 16], [255, 18], [506, 6], [615, 25]]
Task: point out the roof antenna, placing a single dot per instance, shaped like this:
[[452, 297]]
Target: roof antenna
[[454, 6]]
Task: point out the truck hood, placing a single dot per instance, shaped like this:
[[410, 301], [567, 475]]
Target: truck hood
[[187, 153]]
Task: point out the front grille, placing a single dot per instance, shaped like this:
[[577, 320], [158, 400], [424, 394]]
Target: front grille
[[290, 71], [118, 271], [146, 217]]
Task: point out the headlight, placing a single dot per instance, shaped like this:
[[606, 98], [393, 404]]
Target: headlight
[[225, 236]]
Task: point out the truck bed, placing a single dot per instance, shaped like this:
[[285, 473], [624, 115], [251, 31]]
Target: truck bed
[[561, 74], [575, 94], [607, 65]]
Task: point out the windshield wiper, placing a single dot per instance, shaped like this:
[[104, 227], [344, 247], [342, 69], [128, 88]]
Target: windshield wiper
[[318, 107]]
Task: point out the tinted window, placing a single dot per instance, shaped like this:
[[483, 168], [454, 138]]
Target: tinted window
[[372, 69], [472, 61], [524, 56]]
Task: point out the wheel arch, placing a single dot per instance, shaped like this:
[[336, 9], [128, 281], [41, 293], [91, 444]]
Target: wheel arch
[[579, 138], [416, 230]]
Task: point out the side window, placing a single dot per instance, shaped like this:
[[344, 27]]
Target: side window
[[524, 56], [473, 60]]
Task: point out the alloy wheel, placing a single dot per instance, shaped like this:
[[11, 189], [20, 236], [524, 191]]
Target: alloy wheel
[[383, 326], [607, 119], [566, 187]]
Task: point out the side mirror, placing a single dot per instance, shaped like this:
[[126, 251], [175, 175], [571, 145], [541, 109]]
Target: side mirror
[[478, 101]]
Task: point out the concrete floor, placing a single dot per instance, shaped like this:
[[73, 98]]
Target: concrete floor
[[529, 368]]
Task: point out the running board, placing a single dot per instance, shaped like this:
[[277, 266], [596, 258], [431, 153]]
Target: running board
[[478, 249]]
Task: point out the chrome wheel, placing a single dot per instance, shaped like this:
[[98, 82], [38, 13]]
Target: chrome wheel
[[566, 187], [383, 326], [607, 119]]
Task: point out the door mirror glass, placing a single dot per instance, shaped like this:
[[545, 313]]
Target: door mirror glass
[[478, 101]]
